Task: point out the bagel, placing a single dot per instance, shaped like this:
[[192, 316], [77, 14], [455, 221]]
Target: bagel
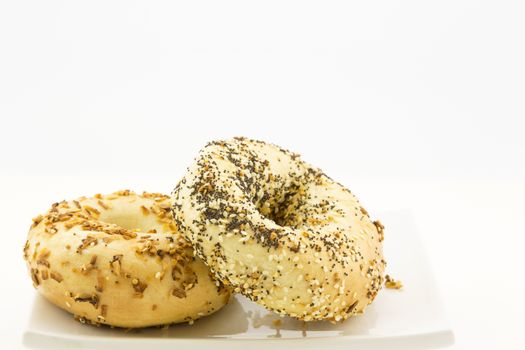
[[119, 260], [280, 231]]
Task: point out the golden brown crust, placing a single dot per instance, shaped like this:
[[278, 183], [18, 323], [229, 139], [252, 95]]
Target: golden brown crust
[[279, 231], [119, 260]]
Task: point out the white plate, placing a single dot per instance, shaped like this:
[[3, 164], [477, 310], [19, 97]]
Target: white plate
[[411, 318]]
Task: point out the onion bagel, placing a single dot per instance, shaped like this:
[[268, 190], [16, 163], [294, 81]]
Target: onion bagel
[[280, 231], [119, 260]]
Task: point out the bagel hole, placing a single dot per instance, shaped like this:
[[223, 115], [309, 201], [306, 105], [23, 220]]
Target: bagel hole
[[283, 209], [128, 221]]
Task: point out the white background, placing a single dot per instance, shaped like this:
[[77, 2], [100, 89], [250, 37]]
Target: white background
[[412, 104]]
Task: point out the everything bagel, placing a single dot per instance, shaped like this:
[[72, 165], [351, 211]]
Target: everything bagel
[[119, 260], [279, 231]]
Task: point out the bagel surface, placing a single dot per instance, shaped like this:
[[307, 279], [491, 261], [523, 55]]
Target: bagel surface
[[279, 231], [119, 260]]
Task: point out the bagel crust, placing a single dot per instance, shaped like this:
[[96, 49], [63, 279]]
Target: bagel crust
[[279, 231], [119, 260]]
